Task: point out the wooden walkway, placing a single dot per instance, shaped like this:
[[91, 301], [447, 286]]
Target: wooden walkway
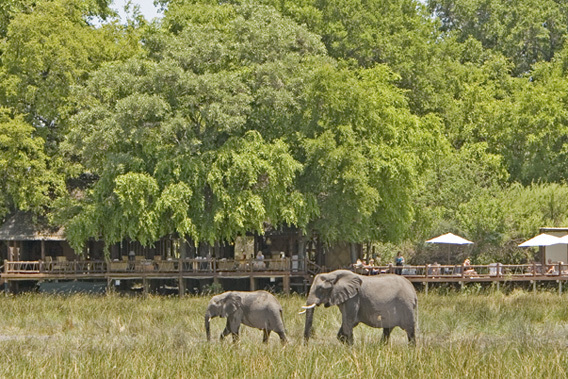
[[284, 269], [492, 273], [147, 270]]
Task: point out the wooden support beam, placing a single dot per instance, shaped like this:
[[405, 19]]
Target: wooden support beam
[[145, 286], [252, 283], [181, 286], [110, 285], [286, 284]]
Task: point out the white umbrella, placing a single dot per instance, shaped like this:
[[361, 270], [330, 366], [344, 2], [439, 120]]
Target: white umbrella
[[451, 239], [543, 240]]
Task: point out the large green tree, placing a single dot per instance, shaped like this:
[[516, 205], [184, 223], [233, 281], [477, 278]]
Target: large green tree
[[237, 117]]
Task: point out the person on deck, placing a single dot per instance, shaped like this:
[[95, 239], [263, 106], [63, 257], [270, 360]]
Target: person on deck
[[399, 262], [259, 260], [467, 269]]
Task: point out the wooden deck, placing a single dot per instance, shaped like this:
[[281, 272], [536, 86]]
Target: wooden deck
[[151, 269], [492, 273], [285, 269]]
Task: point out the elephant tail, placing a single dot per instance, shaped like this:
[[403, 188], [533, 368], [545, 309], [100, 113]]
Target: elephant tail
[[416, 315]]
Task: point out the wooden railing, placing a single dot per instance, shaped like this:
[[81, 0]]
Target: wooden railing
[[285, 265], [494, 270], [197, 265]]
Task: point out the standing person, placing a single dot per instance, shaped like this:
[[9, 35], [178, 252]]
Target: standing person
[[399, 262]]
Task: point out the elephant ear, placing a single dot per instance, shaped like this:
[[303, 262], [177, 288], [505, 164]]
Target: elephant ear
[[346, 286], [231, 304]]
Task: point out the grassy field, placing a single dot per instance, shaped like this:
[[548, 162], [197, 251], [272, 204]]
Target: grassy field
[[460, 335]]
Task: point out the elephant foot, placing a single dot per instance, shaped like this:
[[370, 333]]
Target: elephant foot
[[386, 335], [283, 339], [266, 334], [344, 338], [411, 337]]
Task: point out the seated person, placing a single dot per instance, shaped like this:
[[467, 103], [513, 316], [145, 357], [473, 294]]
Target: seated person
[[434, 269], [259, 262], [551, 268], [360, 267], [467, 269], [371, 267]]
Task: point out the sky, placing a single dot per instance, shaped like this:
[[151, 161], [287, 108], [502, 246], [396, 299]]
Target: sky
[[146, 8]]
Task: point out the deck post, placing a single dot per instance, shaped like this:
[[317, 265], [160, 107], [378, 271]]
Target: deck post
[[560, 287], [425, 287], [43, 250], [498, 285], [252, 283], [534, 286], [286, 284], [109, 285], [145, 286], [181, 286]]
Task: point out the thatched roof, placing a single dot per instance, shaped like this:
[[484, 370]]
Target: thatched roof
[[23, 227]]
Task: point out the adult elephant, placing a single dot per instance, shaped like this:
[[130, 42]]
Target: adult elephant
[[380, 301], [258, 309]]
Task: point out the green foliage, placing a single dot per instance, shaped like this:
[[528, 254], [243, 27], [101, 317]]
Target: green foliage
[[26, 182], [526, 31], [358, 121], [46, 52], [359, 154]]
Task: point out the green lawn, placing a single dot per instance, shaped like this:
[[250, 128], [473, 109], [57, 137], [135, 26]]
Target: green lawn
[[481, 336]]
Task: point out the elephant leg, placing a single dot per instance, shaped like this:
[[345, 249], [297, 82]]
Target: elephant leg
[[282, 336], [225, 331], [349, 311], [411, 333], [233, 326], [386, 335], [266, 334]]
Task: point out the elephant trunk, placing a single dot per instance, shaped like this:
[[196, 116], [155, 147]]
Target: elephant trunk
[[308, 326], [207, 328]]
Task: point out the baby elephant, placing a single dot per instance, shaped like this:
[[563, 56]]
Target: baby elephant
[[258, 309]]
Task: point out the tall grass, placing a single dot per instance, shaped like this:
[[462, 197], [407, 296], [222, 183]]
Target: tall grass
[[474, 335]]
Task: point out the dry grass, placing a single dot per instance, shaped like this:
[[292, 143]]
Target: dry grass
[[491, 336]]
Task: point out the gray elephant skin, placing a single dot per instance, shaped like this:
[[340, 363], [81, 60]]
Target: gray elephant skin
[[380, 301], [257, 309]]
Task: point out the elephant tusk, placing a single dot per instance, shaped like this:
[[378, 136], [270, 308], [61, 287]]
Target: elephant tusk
[[302, 312], [309, 306]]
